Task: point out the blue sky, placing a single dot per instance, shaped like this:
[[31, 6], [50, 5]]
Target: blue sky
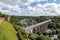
[[30, 7], [43, 2]]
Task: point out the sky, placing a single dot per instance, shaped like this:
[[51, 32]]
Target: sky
[[30, 7]]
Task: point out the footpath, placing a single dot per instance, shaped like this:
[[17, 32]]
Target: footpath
[[1, 20]]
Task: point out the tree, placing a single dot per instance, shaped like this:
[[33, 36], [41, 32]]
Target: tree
[[41, 37], [59, 36], [55, 39]]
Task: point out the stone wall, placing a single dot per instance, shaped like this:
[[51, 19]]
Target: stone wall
[[41, 28], [7, 18]]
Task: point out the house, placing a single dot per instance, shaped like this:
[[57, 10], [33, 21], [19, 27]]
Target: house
[[26, 22]]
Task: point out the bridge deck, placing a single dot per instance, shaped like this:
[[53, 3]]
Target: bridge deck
[[32, 26]]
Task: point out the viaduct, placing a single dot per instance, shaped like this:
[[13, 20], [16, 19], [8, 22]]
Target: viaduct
[[40, 27]]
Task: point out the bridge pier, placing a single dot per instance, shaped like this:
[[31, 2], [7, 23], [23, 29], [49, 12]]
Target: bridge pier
[[41, 28]]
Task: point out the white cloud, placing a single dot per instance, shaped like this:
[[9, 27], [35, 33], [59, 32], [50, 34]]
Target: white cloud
[[17, 2], [10, 2], [25, 2], [37, 0], [55, 0], [48, 9], [9, 8]]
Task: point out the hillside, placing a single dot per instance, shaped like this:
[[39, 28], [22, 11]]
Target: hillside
[[7, 31]]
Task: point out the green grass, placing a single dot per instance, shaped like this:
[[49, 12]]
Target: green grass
[[7, 31]]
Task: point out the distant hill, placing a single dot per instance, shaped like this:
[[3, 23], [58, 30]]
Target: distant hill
[[7, 31]]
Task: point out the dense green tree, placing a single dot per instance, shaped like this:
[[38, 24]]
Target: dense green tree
[[55, 39], [59, 36], [42, 38]]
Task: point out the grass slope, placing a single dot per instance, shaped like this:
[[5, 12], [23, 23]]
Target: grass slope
[[7, 31]]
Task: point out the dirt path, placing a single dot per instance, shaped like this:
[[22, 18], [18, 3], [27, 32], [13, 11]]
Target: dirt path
[[1, 20]]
